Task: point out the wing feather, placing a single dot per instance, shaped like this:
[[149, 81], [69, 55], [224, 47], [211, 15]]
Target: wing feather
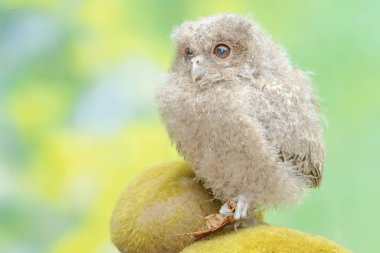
[[304, 164]]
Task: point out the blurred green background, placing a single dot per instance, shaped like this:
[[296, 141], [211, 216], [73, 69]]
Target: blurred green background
[[78, 119]]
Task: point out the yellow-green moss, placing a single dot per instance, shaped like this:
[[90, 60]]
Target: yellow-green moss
[[266, 239], [164, 201]]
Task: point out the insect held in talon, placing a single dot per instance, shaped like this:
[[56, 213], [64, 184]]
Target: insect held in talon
[[242, 114], [214, 223]]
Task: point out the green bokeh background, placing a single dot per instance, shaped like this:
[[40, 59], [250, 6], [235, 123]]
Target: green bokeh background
[[78, 120]]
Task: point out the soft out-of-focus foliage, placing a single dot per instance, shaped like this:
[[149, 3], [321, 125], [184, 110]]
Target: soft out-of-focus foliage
[[77, 114]]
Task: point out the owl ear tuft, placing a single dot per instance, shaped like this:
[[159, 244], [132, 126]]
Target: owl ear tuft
[[182, 33]]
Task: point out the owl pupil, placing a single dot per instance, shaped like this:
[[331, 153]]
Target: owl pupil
[[189, 53], [222, 51]]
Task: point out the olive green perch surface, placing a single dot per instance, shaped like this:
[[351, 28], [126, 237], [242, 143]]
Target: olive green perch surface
[[268, 239], [166, 201]]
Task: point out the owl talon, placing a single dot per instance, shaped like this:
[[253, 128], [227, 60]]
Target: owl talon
[[241, 210], [236, 226], [242, 206]]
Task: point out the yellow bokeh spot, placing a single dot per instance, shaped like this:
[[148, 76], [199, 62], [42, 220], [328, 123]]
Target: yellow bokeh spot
[[218, 6], [102, 15], [36, 106]]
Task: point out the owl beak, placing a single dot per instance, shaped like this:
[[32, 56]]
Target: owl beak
[[197, 68]]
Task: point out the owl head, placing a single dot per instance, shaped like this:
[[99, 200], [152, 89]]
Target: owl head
[[223, 47]]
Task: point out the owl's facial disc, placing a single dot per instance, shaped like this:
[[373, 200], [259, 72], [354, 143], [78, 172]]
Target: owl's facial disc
[[197, 68]]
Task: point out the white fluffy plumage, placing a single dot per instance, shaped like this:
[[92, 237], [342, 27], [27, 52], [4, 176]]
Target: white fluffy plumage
[[240, 112]]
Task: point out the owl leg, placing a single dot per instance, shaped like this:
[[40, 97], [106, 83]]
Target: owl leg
[[241, 210]]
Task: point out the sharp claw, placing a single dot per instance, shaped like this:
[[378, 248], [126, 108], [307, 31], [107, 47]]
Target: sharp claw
[[241, 210], [236, 226]]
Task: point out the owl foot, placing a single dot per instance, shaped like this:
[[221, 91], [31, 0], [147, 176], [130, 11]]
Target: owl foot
[[241, 209]]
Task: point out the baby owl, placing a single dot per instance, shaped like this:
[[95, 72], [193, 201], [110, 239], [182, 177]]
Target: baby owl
[[241, 114]]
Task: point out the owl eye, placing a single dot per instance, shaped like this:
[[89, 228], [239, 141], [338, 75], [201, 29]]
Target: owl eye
[[222, 51], [188, 53]]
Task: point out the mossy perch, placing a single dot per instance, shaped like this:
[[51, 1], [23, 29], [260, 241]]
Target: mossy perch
[[167, 200], [161, 203], [266, 239]]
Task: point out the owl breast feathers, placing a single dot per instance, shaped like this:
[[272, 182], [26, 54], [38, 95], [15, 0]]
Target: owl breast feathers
[[239, 111]]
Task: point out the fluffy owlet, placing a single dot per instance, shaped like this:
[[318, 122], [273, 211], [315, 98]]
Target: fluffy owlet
[[241, 113]]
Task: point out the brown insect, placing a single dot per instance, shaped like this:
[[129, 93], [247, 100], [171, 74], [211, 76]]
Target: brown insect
[[214, 222]]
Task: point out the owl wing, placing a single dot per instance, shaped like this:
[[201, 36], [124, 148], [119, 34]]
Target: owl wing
[[288, 111], [305, 165]]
